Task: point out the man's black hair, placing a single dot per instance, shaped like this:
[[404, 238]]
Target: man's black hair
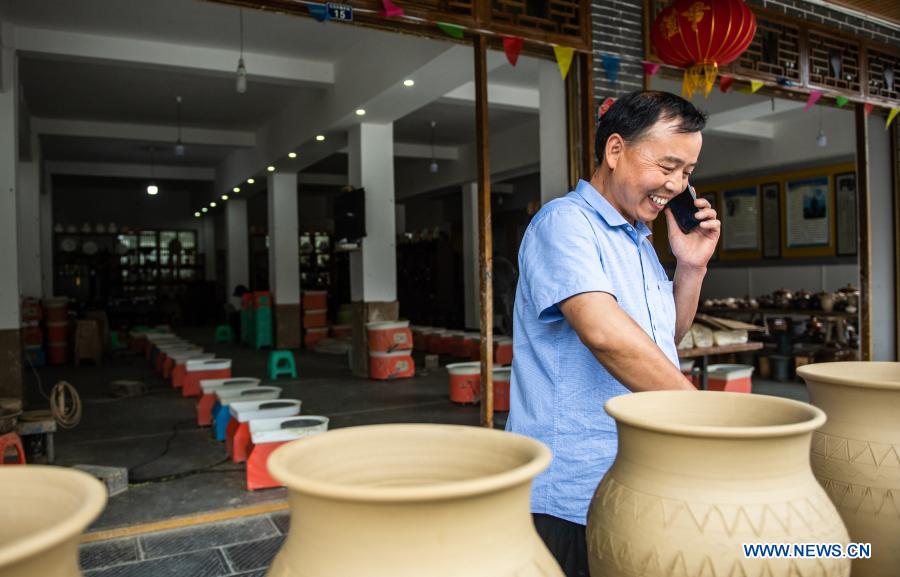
[[632, 115]]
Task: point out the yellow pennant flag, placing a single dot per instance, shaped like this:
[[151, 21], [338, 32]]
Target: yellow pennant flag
[[755, 85], [564, 59], [891, 116]]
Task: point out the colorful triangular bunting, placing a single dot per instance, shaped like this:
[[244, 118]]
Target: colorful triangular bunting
[[651, 68], [512, 46], [725, 83], [891, 115], [868, 107], [755, 85], [563, 59], [611, 66], [452, 30], [318, 11], [841, 101], [391, 10], [814, 97]]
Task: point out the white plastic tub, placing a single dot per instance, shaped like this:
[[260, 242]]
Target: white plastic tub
[[245, 411], [248, 393], [280, 429]]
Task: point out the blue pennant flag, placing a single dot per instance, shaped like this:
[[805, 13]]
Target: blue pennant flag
[[319, 12], [611, 66]]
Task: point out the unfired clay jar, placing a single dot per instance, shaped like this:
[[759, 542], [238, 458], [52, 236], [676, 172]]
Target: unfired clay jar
[[44, 511], [411, 500], [700, 473], [856, 455]]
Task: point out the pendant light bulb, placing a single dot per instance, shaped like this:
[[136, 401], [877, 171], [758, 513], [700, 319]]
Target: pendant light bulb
[[179, 147], [433, 167], [241, 85], [152, 189], [821, 138]]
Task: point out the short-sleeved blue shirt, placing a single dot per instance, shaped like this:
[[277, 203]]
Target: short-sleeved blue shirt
[[577, 244]]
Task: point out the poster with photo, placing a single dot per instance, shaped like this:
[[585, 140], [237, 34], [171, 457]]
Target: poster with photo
[[807, 213], [740, 219], [845, 208]]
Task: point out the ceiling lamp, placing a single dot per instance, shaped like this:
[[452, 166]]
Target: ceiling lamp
[[292, 155], [152, 189], [179, 147], [241, 69], [320, 137], [197, 214], [270, 168], [360, 111], [250, 181], [433, 167], [212, 204], [204, 209], [821, 138], [224, 197], [409, 83], [236, 190]]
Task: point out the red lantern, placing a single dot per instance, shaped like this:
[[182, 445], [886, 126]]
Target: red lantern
[[700, 36]]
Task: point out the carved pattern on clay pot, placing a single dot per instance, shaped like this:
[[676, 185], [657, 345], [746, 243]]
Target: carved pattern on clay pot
[[700, 473], [856, 455], [45, 510], [411, 500]]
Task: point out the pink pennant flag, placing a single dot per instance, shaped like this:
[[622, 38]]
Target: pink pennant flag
[[650, 68], [869, 107], [814, 97], [725, 83], [391, 10]]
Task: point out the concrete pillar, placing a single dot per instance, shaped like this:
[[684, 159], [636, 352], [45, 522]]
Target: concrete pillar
[[471, 269], [552, 122], [371, 166], [884, 277], [10, 320], [28, 208], [238, 251], [284, 257], [46, 209]]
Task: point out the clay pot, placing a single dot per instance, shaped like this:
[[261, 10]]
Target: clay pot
[[826, 301], [411, 500], [45, 510], [698, 474], [856, 455]]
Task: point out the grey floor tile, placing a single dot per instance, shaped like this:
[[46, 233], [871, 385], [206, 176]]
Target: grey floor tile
[[107, 553], [208, 563], [255, 555], [282, 521], [206, 537]]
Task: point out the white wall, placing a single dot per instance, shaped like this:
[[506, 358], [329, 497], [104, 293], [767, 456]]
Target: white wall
[[759, 280], [9, 280], [884, 277]]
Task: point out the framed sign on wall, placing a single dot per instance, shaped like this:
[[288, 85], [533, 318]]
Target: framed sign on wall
[[809, 217], [845, 207]]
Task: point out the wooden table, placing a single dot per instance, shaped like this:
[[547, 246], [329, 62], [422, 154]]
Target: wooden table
[[703, 353]]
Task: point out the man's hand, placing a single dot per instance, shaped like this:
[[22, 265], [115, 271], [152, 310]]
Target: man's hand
[[693, 250], [620, 345]]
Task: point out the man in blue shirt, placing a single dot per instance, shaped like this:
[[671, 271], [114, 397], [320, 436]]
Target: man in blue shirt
[[596, 315]]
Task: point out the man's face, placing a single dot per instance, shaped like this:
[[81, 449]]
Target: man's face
[[649, 172]]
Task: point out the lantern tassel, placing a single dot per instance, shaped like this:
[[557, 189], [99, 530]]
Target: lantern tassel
[[695, 77]]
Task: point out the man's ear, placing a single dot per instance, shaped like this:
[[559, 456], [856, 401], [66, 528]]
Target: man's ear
[[615, 146]]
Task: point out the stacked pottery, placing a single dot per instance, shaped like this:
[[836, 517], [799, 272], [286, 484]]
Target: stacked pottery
[[856, 455], [411, 500], [45, 510], [700, 474]]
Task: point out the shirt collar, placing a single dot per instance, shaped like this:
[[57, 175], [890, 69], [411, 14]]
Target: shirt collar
[[610, 215]]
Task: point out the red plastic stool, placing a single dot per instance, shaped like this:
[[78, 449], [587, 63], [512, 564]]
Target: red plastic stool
[[269, 434], [258, 476], [237, 436], [9, 441]]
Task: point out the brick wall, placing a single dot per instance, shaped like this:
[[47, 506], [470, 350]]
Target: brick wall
[[618, 29]]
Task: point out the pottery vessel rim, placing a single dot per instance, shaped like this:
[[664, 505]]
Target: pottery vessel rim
[[280, 465], [857, 374], [627, 409], [90, 503]]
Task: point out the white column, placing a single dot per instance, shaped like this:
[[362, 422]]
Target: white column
[[9, 255], [884, 277], [208, 237], [284, 244], [28, 207], [46, 209], [471, 270], [373, 270], [238, 252], [554, 166]]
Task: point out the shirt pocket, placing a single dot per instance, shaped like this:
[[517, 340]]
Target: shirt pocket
[[664, 315]]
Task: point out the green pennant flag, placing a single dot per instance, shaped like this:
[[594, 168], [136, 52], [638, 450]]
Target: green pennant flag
[[842, 101], [451, 30]]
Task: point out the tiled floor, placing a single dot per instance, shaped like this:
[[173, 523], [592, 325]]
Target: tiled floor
[[238, 548]]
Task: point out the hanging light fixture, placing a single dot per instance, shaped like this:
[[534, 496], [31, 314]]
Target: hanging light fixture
[[433, 167], [821, 138], [152, 189], [179, 147], [241, 69]]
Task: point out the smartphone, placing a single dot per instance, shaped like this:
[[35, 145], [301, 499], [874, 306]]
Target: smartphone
[[683, 209]]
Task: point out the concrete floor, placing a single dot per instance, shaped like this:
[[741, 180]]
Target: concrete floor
[[156, 435]]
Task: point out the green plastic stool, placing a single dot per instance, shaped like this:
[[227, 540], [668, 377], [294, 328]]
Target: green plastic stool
[[115, 343], [282, 363], [224, 334]]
